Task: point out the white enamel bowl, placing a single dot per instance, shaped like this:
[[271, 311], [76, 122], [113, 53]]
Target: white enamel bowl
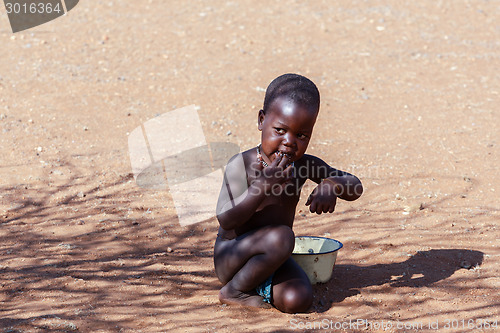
[[316, 256]]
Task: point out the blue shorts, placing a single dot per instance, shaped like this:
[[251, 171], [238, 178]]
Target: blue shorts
[[264, 289]]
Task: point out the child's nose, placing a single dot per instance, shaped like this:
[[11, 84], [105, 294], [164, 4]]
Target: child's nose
[[289, 140]]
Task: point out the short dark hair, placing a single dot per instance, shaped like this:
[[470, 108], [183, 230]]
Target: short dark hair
[[295, 87]]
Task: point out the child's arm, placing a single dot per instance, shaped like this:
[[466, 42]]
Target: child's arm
[[238, 201], [333, 184]]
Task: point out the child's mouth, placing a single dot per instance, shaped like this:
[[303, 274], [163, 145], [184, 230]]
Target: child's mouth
[[288, 155]]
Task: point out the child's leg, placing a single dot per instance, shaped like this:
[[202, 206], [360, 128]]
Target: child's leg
[[292, 291], [245, 262]]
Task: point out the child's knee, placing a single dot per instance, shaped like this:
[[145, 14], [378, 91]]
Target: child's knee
[[281, 238], [297, 299]]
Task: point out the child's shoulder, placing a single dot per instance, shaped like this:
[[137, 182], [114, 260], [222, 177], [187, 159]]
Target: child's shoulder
[[241, 154], [308, 159], [242, 159], [313, 168]]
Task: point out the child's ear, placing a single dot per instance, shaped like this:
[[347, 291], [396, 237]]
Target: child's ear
[[260, 120]]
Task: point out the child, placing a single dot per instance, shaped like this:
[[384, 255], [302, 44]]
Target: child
[[259, 195]]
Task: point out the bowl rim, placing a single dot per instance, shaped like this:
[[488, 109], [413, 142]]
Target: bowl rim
[[312, 254]]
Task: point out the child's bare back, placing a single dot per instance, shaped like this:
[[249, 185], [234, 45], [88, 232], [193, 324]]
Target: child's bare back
[[259, 195]]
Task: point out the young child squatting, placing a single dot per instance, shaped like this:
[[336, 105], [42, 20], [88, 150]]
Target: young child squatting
[[259, 195]]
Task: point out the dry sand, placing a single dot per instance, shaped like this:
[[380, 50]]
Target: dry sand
[[410, 98]]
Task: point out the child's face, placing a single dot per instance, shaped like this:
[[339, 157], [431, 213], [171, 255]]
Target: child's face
[[286, 127]]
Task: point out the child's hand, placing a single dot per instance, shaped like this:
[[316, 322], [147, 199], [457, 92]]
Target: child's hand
[[323, 199], [277, 172]]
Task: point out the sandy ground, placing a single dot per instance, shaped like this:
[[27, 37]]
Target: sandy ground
[[410, 97]]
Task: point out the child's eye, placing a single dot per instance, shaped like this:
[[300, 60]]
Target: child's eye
[[280, 130], [301, 136]]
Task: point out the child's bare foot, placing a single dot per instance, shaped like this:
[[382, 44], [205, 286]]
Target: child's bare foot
[[228, 295]]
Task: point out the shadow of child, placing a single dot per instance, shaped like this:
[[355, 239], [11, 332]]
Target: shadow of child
[[420, 270]]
